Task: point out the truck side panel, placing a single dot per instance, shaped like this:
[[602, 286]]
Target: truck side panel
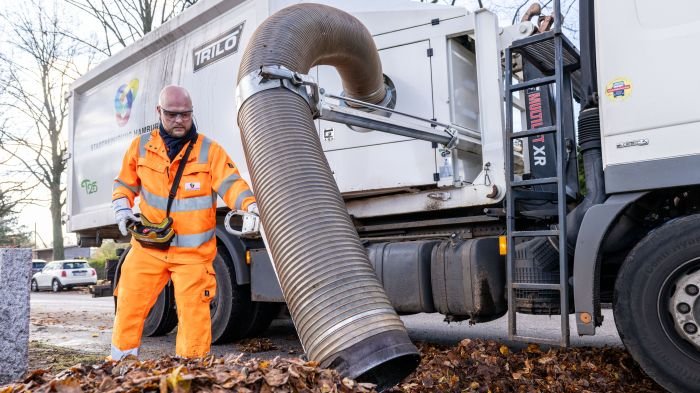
[[647, 83]]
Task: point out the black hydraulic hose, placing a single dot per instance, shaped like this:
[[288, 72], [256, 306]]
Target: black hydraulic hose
[[343, 317], [589, 142]]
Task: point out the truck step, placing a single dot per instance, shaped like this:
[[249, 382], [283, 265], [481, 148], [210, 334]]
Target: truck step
[[541, 340], [529, 285], [535, 233], [539, 50], [532, 132], [533, 83], [534, 182]]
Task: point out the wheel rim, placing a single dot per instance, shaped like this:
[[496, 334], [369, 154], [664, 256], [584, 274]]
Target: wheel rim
[[679, 307], [34, 288], [55, 286]]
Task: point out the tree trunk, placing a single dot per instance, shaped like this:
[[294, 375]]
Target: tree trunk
[[57, 225]]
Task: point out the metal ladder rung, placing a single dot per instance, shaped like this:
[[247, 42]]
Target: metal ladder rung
[[533, 83], [548, 35], [532, 132], [528, 195], [534, 233], [556, 59], [538, 340], [534, 182], [528, 285]]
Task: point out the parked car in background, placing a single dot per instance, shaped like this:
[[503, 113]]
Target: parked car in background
[[57, 275], [38, 265]]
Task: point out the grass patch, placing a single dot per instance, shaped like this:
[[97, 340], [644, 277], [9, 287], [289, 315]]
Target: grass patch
[[45, 356]]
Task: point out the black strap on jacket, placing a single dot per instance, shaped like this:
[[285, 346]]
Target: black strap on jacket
[[178, 175]]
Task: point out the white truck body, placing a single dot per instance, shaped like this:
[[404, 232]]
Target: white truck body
[[637, 126], [435, 77]]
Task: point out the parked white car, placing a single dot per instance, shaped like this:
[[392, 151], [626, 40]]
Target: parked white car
[[38, 265], [64, 274]]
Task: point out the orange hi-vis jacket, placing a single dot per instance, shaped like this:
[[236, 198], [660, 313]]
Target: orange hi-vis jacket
[[147, 172]]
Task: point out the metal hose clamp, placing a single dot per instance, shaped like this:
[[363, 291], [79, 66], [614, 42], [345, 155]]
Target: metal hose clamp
[[274, 77]]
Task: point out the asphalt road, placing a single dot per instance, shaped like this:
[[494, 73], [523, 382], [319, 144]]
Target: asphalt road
[[75, 320]]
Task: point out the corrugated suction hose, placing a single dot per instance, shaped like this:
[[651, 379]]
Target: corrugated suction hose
[[341, 312]]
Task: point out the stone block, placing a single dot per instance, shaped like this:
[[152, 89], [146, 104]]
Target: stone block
[[15, 275]]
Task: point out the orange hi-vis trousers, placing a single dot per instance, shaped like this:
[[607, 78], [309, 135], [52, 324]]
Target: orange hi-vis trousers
[[141, 280]]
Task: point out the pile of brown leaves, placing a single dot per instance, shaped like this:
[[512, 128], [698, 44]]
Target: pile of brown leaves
[[487, 366], [255, 345], [203, 375], [471, 366]]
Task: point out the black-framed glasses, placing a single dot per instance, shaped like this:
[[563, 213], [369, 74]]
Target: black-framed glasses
[[170, 115]]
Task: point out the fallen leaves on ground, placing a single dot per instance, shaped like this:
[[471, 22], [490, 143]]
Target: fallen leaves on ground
[[471, 366], [177, 375], [48, 320], [255, 345], [487, 366]]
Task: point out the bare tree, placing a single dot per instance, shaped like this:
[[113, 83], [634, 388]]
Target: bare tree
[[11, 233], [124, 21], [37, 72]]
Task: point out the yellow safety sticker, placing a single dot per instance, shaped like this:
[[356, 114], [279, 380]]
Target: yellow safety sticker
[[618, 89]]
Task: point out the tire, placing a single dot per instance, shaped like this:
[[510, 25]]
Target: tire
[[263, 315], [35, 286], [645, 300], [162, 318], [229, 304], [233, 315], [56, 285]]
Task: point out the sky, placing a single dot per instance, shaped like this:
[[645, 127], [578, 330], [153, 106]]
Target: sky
[[39, 216]]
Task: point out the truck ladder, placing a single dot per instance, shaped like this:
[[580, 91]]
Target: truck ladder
[[554, 55]]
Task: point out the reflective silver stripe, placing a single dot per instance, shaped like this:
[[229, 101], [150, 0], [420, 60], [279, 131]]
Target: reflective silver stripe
[[119, 355], [118, 183], [239, 201], [179, 205], [194, 240], [142, 144], [204, 151], [227, 183]]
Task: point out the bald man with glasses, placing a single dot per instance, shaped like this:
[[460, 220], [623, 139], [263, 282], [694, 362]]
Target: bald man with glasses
[[149, 170]]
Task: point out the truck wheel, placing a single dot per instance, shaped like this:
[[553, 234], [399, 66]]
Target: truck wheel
[[162, 318], [233, 315], [56, 285], [657, 304], [230, 305], [263, 315]]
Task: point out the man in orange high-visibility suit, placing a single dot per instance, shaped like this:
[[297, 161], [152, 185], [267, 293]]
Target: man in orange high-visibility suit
[[148, 171]]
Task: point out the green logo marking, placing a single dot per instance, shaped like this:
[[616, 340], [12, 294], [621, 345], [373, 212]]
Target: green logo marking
[[89, 186]]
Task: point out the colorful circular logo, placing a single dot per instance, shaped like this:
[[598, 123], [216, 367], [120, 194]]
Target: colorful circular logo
[[618, 89], [126, 94]]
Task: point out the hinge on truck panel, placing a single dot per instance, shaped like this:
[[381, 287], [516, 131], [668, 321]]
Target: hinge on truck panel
[[430, 52], [435, 21], [436, 177]]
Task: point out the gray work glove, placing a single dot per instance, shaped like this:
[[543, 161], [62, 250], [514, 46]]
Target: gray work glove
[[253, 208], [251, 222], [123, 214]]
